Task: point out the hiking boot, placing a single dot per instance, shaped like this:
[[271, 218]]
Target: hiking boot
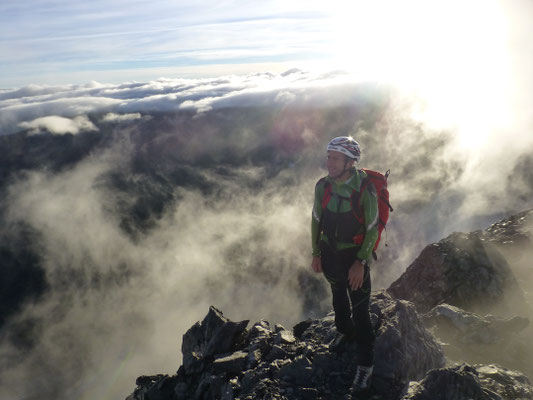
[[340, 342], [363, 377]]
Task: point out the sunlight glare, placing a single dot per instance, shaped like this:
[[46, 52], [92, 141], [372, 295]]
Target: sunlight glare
[[452, 54]]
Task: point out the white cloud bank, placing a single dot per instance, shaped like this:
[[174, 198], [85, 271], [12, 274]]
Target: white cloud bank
[[59, 125], [22, 107], [112, 117]]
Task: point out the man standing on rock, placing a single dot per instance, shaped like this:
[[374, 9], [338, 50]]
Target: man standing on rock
[[342, 247]]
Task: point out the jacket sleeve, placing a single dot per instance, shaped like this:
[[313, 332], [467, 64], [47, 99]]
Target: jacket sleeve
[[371, 216], [315, 218]]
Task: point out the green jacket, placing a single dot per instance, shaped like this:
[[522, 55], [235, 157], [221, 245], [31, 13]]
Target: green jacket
[[369, 205]]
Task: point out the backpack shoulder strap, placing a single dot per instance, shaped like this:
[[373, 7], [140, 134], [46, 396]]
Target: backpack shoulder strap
[[325, 200], [327, 192]]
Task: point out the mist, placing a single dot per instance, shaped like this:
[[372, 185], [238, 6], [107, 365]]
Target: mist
[[173, 195]]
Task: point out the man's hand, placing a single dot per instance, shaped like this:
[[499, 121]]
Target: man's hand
[[355, 275], [316, 264]]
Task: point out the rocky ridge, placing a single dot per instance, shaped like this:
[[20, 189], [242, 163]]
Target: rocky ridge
[[224, 360], [431, 311]]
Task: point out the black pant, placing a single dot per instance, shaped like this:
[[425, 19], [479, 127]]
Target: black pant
[[353, 320]]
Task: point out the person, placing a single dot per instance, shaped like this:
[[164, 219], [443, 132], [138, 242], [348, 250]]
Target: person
[[342, 246]]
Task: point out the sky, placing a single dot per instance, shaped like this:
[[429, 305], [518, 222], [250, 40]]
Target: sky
[[59, 42], [76, 41]]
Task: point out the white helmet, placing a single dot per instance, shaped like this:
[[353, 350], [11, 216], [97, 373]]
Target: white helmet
[[347, 146]]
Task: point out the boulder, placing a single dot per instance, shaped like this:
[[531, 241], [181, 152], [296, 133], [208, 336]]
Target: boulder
[[468, 328], [404, 349], [233, 364], [472, 338], [214, 335], [465, 382], [462, 270], [509, 384]]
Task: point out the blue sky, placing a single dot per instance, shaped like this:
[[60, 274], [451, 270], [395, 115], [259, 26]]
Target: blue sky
[[78, 41], [60, 41]]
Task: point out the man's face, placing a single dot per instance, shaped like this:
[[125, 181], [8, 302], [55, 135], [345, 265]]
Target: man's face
[[336, 163]]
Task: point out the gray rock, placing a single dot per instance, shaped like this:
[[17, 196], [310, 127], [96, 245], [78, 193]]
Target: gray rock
[[323, 365], [300, 328], [475, 339], [260, 337], [209, 387], [462, 270], [214, 335], [307, 393], [509, 384], [298, 372], [284, 336], [404, 349], [465, 382], [252, 377], [513, 232], [156, 387], [471, 329], [300, 369], [192, 348], [228, 391], [212, 322], [455, 383], [233, 364], [181, 390], [253, 358], [193, 362], [276, 352], [225, 337]]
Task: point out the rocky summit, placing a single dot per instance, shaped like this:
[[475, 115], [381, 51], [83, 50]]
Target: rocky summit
[[223, 359], [432, 340], [226, 360]]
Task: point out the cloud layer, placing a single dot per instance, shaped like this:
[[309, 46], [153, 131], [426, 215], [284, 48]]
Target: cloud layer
[[59, 125], [19, 107]]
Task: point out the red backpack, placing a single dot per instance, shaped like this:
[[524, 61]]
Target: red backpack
[[380, 183]]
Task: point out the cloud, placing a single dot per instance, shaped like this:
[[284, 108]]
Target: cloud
[[112, 117], [115, 301], [22, 106], [14, 112], [59, 125]]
